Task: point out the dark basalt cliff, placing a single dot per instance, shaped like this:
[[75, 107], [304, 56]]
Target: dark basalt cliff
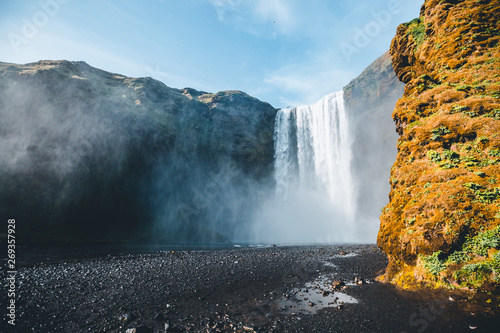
[[91, 155], [441, 225]]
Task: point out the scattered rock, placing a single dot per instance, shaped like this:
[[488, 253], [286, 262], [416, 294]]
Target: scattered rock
[[158, 275], [358, 280], [126, 317], [338, 285], [141, 329]]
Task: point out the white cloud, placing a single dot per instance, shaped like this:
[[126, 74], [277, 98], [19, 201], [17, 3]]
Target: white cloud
[[251, 15], [307, 83], [277, 11], [225, 8]]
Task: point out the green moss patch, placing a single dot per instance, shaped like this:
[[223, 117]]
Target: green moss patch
[[478, 260]]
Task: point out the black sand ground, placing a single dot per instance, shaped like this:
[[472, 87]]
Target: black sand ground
[[240, 289]]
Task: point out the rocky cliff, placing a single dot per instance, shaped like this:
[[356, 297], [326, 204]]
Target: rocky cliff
[[370, 99], [442, 224], [92, 155]]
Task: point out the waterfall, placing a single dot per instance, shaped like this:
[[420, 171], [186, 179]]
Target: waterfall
[[313, 151], [314, 192]]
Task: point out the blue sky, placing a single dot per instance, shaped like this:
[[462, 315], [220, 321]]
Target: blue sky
[[285, 52]]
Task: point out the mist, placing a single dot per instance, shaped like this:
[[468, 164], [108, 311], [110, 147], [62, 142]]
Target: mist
[[74, 165], [314, 199], [370, 100], [344, 204], [54, 149], [138, 161]]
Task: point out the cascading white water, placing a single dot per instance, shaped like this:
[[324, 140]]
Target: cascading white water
[[313, 148], [314, 201]]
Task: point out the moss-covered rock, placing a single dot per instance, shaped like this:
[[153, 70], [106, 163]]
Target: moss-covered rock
[[445, 182]]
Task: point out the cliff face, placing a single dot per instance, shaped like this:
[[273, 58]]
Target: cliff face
[[442, 222], [370, 99], [88, 154]]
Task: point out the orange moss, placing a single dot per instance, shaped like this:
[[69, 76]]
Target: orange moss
[[451, 108]]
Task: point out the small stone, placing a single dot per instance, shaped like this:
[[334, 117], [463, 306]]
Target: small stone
[[325, 293], [337, 285], [141, 329], [311, 304], [126, 317], [451, 299], [472, 327]]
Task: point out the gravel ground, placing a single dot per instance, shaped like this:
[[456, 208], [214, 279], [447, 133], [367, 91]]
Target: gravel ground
[[226, 290]]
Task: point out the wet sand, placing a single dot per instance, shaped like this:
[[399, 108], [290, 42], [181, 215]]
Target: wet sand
[[272, 289]]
